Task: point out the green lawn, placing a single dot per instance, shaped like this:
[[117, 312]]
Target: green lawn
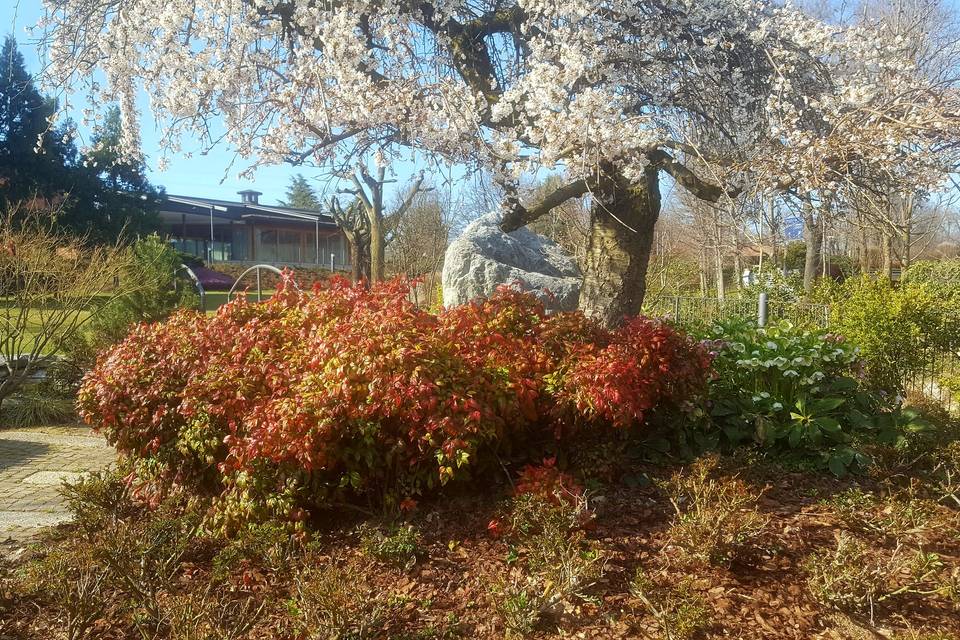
[[33, 327]]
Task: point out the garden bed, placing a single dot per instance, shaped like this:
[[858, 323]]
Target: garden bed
[[455, 569]]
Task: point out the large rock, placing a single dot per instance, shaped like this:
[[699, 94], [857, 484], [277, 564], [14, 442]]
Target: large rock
[[484, 257]]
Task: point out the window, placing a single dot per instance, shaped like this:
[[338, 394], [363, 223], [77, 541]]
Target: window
[[290, 249], [266, 245], [241, 243]]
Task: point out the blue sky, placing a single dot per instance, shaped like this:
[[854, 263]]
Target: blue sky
[[203, 176]]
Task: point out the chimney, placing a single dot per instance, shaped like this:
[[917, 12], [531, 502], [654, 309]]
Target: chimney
[[249, 196]]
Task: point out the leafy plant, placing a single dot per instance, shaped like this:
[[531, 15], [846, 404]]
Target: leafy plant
[[37, 405], [560, 562], [795, 391], [519, 608], [397, 544]]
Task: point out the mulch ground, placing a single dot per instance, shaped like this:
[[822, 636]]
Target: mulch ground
[[450, 591]]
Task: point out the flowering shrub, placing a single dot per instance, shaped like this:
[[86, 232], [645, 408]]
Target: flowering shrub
[[277, 408]]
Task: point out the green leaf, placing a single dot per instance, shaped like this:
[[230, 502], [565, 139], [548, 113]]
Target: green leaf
[[825, 405], [796, 434], [829, 425], [837, 466]]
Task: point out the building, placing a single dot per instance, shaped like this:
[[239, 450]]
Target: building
[[250, 232]]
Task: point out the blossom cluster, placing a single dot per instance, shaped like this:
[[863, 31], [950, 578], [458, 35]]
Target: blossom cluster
[[520, 83]]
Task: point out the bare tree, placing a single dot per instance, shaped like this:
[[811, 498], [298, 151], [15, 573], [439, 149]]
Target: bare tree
[[51, 285], [369, 193]]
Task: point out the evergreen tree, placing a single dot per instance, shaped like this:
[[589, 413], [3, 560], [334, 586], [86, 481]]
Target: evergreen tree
[[26, 172], [300, 195], [126, 199], [96, 195]]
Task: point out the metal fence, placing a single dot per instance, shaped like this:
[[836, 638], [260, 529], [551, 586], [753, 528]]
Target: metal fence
[[931, 366], [694, 311], [929, 363]]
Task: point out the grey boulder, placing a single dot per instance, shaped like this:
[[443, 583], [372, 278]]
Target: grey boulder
[[484, 257]]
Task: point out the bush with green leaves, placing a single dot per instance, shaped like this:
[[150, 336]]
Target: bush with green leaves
[[797, 391], [896, 329], [159, 292]]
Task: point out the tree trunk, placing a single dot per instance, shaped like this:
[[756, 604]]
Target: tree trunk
[[813, 235], [703, 270], [618, 252], [738, 267], [863, 253], [377, 253], [886, 254], [356, 268], [906, 238]]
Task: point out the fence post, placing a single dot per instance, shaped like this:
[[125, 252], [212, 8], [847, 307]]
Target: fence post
[[762, 310], [676, 309]]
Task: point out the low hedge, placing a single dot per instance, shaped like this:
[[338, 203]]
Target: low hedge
[[342, 393]]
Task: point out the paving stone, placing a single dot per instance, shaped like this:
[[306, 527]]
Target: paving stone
[[33, 464], [52, 478]]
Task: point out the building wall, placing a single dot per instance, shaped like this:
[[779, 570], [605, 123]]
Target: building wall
[[267, 243]]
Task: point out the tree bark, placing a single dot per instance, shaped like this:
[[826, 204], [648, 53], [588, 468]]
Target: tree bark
[[622, 218], [813, 235], [886, 254], [863, 253], [377, 251]]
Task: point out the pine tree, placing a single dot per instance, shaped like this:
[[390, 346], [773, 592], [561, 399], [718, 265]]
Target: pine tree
[[98, 195], [300, 195], [25, 173]]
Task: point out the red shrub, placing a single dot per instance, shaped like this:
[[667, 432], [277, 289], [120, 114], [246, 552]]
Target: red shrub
[[646, 364], [548, 482], [276, 407]]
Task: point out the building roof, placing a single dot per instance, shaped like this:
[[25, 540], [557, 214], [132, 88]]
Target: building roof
[[241, 211]]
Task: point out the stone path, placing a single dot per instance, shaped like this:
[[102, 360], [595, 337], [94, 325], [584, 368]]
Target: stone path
[[33, 463]]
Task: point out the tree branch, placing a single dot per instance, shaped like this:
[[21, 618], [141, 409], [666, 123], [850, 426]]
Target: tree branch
[[688, 179], [516, 215]]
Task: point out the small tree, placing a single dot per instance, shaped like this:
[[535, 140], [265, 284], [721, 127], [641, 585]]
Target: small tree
[[51, 285], [369, 191]]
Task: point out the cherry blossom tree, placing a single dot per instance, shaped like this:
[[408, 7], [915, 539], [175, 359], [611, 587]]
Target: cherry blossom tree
[[605, 92]]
